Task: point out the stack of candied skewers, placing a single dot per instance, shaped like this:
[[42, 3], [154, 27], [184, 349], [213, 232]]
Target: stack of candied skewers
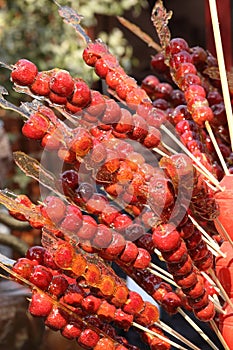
[[123, 194]]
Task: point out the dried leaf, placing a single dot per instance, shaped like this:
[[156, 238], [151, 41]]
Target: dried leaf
[[160, 18]]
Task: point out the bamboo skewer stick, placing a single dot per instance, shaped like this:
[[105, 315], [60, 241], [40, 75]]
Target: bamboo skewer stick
[[197, 329], [219, 335], [161, 275], [158, 336], [207, 237], [217, 149], [175, 334], [222, 68], [200, 165]]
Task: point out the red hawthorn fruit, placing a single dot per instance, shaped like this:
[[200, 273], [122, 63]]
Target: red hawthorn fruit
[[108, 214], [74, 295], [57, 99], [96, 204], [153, 138], [88, 338], [121, 222], [88, 228], [58, 286], [106, 311], [125, 124], [64, 255], [36, 253], [54, 209], [143, 259], [24, 267], [56, 319], [71, 330], [166, 238], [206, 313], [120, 295], [92, 274], [41, 277], [91, 304], [116, 246], [24, 72], [79, 265], [81, 143], [40, 85], [36, 126], [107, 286], [129, 253], [40, 305], [148, 316], [61, 83], [112, 113], [171, 302], [103, 237], [149, 83], [134, 303], [73, 219], [115, 77], [102, 67], [94, 51], [105, 343], [97, 105], [81, 96], [123, 320]]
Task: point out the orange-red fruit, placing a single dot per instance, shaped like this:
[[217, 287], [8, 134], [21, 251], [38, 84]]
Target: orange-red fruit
[[81, 142], [61, 83], [94, 51], [134, 303], [24, 72], [36, 126]]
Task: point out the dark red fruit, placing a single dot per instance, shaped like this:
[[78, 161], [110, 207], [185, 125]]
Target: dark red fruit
[[36, 253], [58, 286]]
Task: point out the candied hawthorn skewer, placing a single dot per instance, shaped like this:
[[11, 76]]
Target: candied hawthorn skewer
[[57, 286]]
